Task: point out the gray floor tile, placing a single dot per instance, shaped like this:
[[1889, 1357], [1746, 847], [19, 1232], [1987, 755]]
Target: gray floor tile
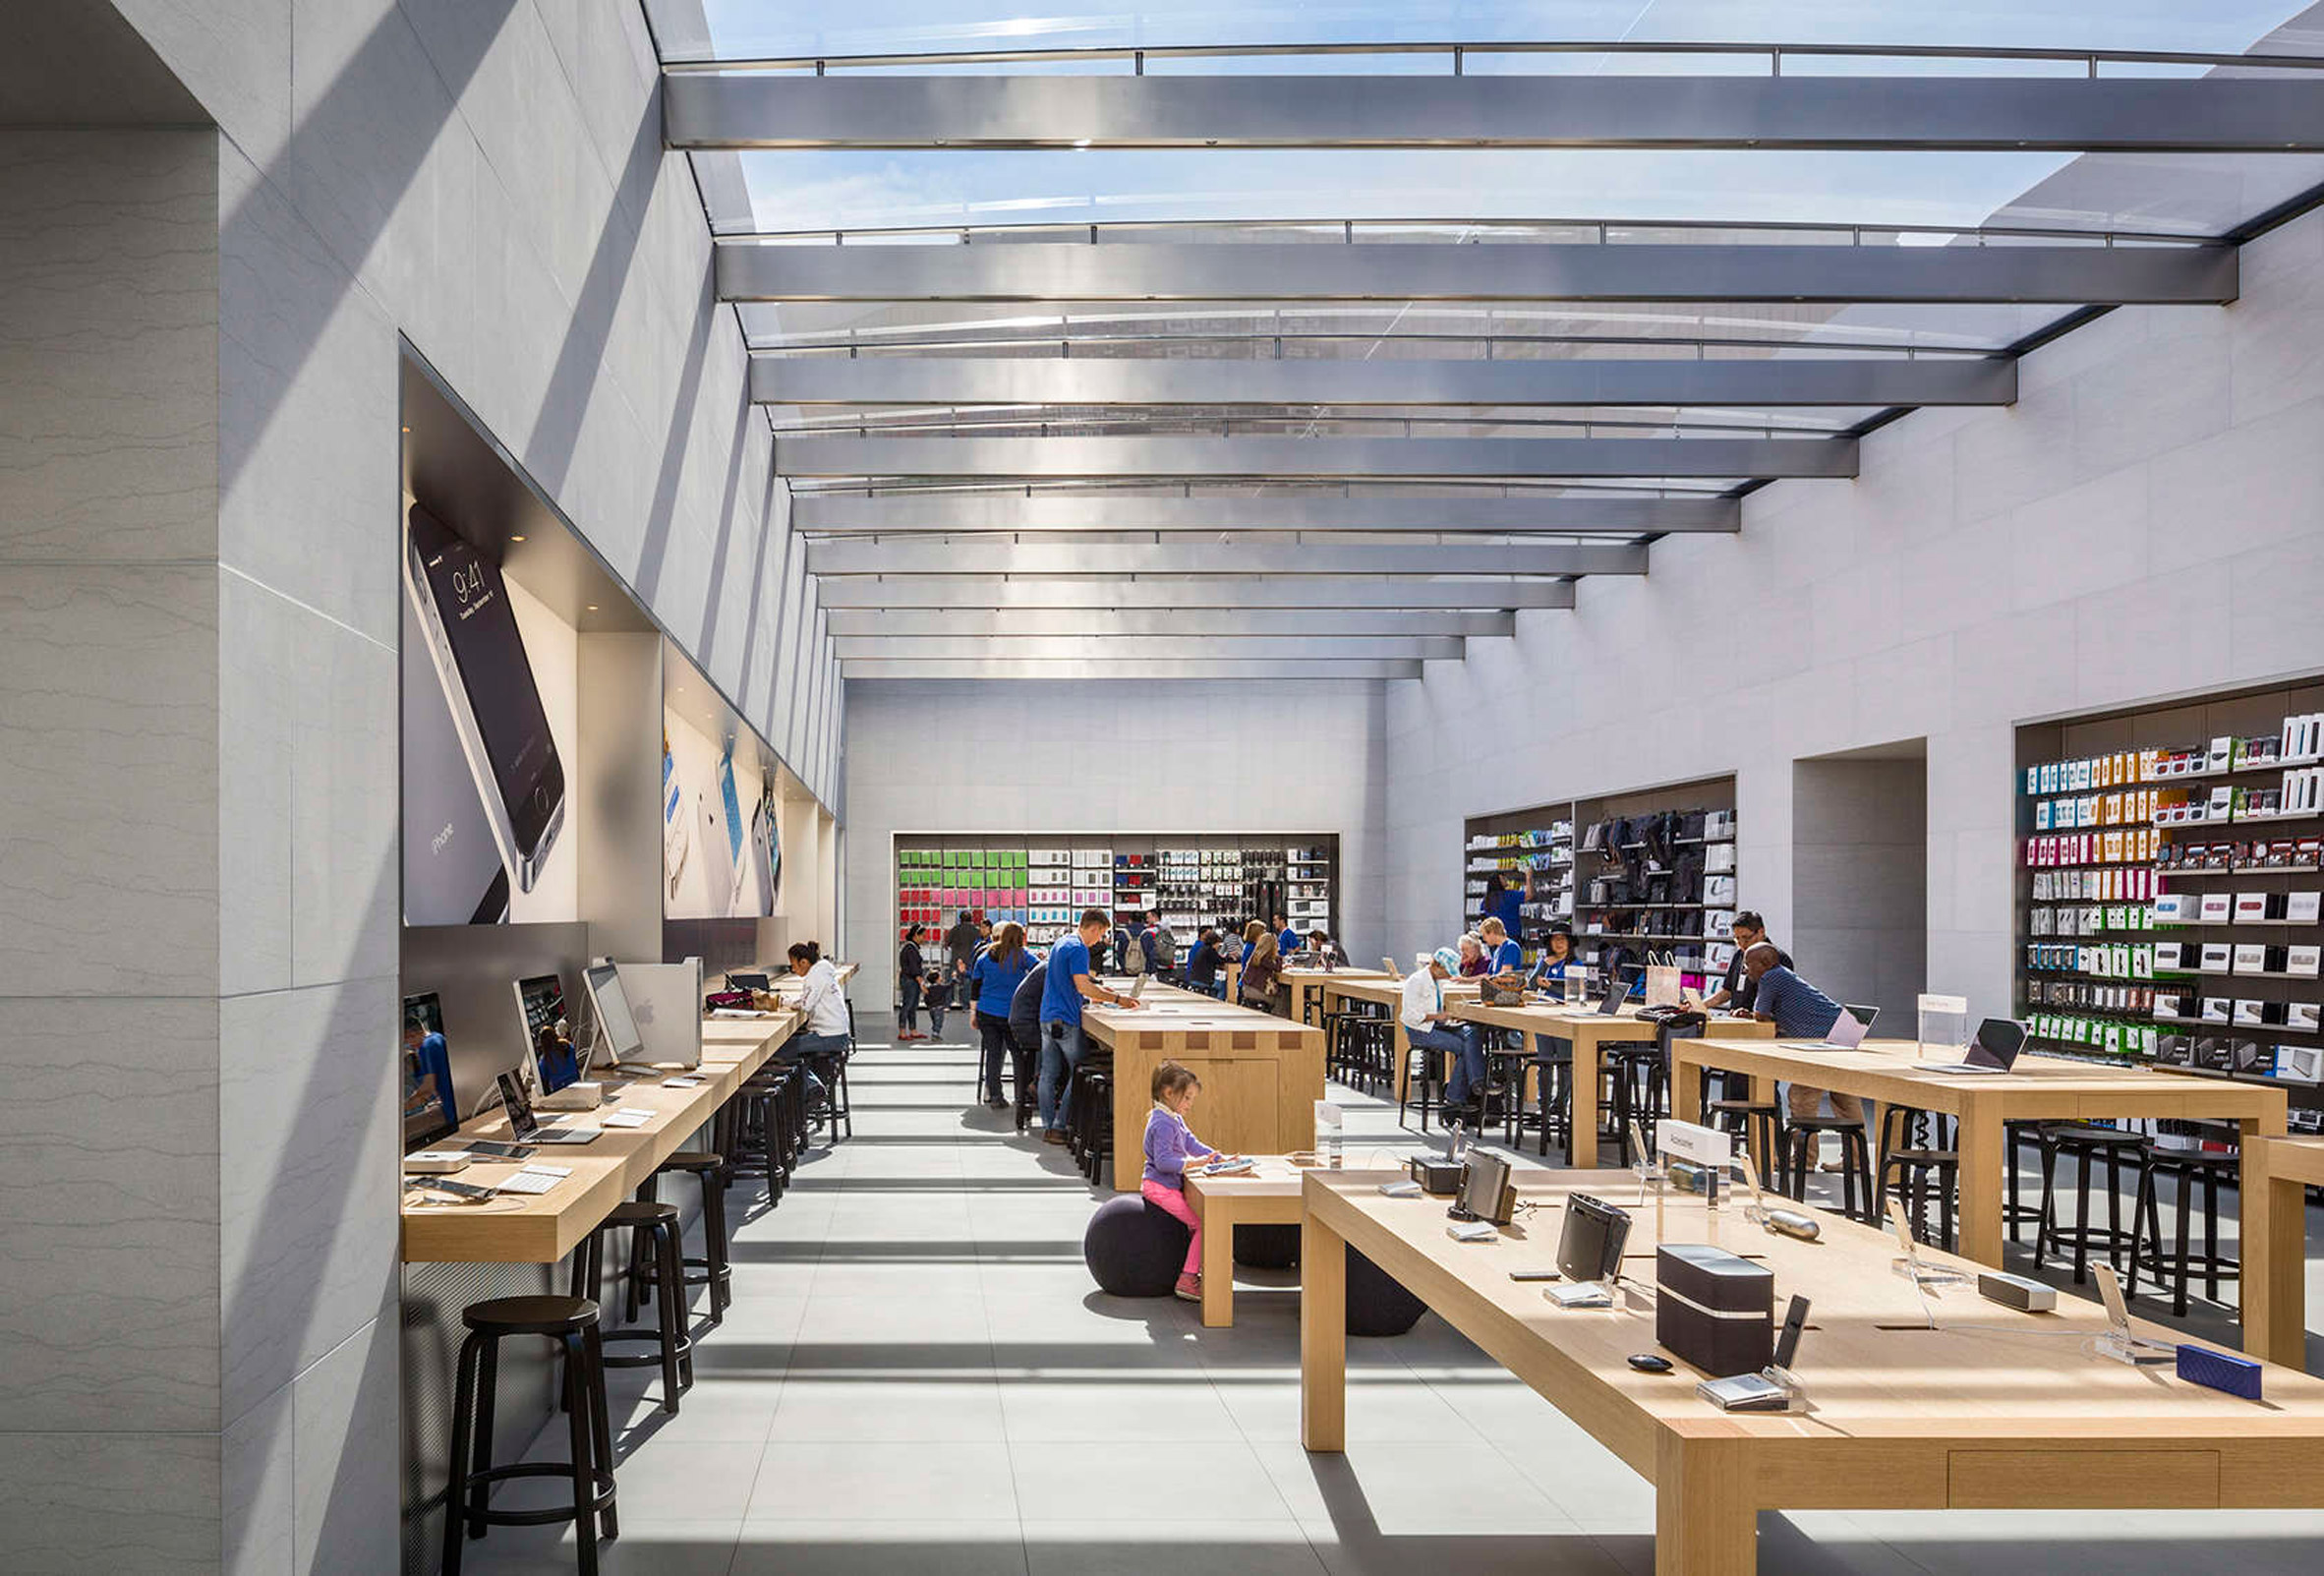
[[797, 1547], [903, 1409], [1122, 1547], [1171, 1406], [1124, 1480], [644, 1549], [885, 1481]]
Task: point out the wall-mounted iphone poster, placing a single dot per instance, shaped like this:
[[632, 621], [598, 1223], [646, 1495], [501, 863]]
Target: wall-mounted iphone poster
[[719, 858]]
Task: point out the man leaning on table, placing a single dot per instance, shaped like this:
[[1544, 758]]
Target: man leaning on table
[[1429, 1027], [1063, 1045], [1799, 1011], [1735, 992]]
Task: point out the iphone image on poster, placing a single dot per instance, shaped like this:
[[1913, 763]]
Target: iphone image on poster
[[471, 635], [738, 855], [452, 870]]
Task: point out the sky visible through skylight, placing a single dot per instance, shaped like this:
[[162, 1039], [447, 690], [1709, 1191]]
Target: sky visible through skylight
[[859, 191]]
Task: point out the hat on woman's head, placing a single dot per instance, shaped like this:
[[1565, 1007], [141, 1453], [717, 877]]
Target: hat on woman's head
[[1447, 960]]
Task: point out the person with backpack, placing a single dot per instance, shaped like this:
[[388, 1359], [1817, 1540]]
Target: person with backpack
[[1161, 949], [1129, 946]]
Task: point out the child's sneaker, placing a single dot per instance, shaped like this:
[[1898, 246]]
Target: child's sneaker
[[1189, 1289]]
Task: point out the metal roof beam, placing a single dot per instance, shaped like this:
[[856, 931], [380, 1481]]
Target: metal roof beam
[[1202, 458], [1145, 668], [968, 591], [1515, 271], [1125, 648], [1150, 624], [844, 515], [1326, 380], [1933, 113], [958, 557]]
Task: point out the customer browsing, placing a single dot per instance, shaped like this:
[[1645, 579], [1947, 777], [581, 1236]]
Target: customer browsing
[[1063, 1045], [1170, 1144], [1799, 1011], [1425, 1023]]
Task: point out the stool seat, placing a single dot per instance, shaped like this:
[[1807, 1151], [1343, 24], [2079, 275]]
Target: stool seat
[[2084, 1134], [1828, 1123], [530, 1316], [641, 1212], [693, 1160]]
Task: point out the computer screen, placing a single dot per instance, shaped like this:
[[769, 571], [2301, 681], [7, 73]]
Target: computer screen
[[546, 1063], [431, 1108], [614, 1019]]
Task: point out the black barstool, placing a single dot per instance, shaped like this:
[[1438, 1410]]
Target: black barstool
[[1912, 1168], [653, 1228], [712, 1269], [1421, 1074], [2086, 1144], [1803, 1141], [1093, 1119], [571, 1322], [2189, 1169], [1757, 1125]]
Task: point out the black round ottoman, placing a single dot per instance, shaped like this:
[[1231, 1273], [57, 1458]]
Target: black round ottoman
[[1264, 1247], [1132, 1248], [1376, 1303]]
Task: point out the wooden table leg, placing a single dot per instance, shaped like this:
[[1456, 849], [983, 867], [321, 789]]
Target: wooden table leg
[[1218, 1263], [1705, 1520], [1323, 1336], [1983, 1179], [2273, 1248], [1686, 1084], [1581, 1104]]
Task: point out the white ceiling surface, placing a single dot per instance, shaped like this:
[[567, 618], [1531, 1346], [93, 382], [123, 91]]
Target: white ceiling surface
[[1451, 191]]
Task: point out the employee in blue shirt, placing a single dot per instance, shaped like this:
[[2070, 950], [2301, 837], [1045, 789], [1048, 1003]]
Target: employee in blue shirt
[[1506, 903], [1068, 985], [429, 1072], [1502, 951], [993, 977], [1287, 940], [1250, 935], [1799, 1011]]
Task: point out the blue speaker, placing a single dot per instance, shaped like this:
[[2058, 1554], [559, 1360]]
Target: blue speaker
[[2219, 1370]]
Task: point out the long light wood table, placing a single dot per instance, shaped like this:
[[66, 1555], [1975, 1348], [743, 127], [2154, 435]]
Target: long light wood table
[[1590, 1033], [2038, 1088], [2289, 1167], [1387, 990], [543, 1228], [1314, 985], [1268, 1195], [1261, 1075], [1898, 1416]]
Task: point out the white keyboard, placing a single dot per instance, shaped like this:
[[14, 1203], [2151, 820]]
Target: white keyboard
[[534, 1178]]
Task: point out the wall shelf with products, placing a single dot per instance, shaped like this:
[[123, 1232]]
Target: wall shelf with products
[[1045, 879], [1647, 871], [2131, 944]]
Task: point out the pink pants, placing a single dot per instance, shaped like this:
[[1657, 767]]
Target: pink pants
[[1175, 1201]]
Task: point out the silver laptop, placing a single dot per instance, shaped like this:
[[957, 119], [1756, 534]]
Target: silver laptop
[[1847, 1032], [1993, 1050]]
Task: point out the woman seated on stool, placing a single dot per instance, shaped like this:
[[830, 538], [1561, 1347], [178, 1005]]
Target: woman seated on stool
[[1475, 964], [1799, 1011], [1262, 978]]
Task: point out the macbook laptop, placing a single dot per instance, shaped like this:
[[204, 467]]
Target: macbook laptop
[[524, 1127], [1993, 1050], [1847, 1032]]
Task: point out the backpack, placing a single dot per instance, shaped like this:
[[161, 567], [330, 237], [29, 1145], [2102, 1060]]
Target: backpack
[[1134, 956]]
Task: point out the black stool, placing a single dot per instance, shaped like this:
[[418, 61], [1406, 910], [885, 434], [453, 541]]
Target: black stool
[[712, 1269], [1093, 1119], [2087, 1145], [1803, 1141], [572, 1323], [1918, 1167], [2190, 1169], [1421, 1073], [1757, 1125], [653, 1226]]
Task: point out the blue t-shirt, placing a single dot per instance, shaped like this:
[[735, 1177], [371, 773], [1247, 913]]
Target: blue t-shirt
[[996, 982], [1248, 948], [1801, 1012], [559, 1066], [1508, 954], [1508, 909], [1288, 943], [434, 1061], [1061, 1003]]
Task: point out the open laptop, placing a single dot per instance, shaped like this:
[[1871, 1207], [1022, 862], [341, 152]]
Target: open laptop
[[526, 1128], [1847, 1031], [1617, 989], [1993, 1050]]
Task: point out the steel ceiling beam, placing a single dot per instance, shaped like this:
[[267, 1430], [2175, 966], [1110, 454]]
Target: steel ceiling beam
[[1130, 648], [1516, 270], [959, 557], [1215, 591], [1166, 625], [1152, 381], [1201, 458], [1935, 113], [844, 515], [1145, 668]]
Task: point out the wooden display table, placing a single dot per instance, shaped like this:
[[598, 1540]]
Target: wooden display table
[[1266, 1197], [1261, 1075], [1590, 1031], [2285, 1168], [2039, 1089], [1312, 986], [1897, 1416], [543, 1228]]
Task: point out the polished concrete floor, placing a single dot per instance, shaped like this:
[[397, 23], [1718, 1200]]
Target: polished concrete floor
[[918, 1375]]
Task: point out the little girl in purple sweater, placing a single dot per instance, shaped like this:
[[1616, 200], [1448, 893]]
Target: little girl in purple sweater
[[1170, 1144]]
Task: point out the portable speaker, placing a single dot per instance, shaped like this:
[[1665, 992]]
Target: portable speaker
[[2219, 1370]]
